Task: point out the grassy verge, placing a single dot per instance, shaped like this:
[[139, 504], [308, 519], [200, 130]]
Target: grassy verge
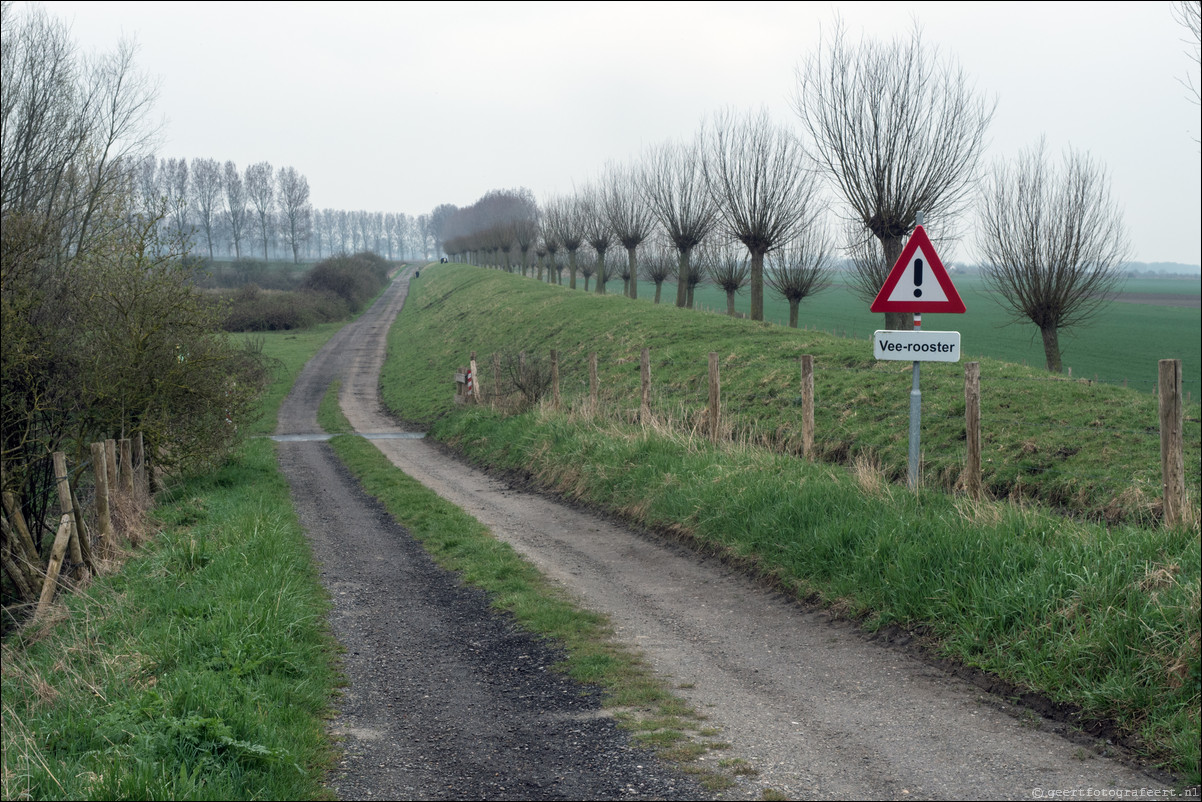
[[1092, 449], [1105, 618], [204, 669], [201, 671], [458, 542]]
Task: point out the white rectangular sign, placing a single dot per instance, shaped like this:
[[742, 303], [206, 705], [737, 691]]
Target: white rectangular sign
[[917, 346]]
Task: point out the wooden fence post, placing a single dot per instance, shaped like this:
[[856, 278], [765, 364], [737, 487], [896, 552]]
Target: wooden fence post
[[475, 378], [555, 378], [127, 466], [593, 382], [111, 464], [75, 537], [103, 516], [715, 408], [807, 407], [55, 565], [1172, 442], [972, 428], [645, 372], [496, 376]]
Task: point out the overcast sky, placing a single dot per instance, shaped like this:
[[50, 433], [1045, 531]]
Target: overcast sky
[[398, 107]]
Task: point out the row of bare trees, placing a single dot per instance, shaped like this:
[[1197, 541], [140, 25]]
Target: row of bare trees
[[888, 130], [222, 211]]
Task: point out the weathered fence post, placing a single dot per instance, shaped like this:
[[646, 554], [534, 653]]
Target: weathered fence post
[[555, 378], [75, 537], [593, 382], [972, 428], [1172, 442], [103, 516], [55, 565], [127, 467], [807, 407], [110, 462], [475, 382], [496, 377], [645, 373], [715, 395]]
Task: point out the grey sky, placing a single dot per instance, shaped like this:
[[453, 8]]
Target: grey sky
[[402, 106]]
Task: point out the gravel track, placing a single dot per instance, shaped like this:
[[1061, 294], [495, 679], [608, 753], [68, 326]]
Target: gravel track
[[440, 707]]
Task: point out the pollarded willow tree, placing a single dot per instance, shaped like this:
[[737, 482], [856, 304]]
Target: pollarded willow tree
[[1053, 242], [673, 184], [629, 216], [762, 181], [801, 268], [597, 231], [564, 220], [730, 271], [899, 131]]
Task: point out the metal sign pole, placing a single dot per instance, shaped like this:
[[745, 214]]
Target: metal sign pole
[[915, 415], [915, 406]]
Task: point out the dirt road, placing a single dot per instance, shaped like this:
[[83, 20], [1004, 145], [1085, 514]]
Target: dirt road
[[817, 709]]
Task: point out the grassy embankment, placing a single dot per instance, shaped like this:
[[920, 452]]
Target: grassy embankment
[[202, 670], [1104, 617]]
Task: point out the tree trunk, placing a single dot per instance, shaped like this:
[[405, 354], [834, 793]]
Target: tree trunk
[[730, 303], [757, 285], [1051, 347], [793, 307], [572, 269], [633, 261], [892, 248], [682, 280], [601, 272]]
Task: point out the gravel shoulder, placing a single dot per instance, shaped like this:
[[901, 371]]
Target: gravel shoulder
[[816, 708]]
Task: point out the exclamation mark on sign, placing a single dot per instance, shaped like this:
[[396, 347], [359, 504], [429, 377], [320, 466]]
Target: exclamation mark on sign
[[917, 278]]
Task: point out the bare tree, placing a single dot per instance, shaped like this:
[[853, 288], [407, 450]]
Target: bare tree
[[729, 271], [206, 196], [235, 205], [898, 131], [295, 209], [658, 266], [597, 231], [261, 191], [673, 183], [174, 175], [629, 216], [760, 178], [802, 268], [564, 219], [1053, 242]]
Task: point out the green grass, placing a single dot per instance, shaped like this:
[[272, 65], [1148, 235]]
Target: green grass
[[1104, 617], [1092, 449], [202, 671]]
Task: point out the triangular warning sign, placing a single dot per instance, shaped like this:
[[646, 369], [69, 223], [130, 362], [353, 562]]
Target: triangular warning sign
[[918, 282]]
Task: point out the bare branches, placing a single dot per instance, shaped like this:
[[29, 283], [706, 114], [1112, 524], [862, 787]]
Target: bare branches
[[1053, 242], [1188, 13], [895, 129], [759, 175], [629, 216], [673, 184], [800, 269]]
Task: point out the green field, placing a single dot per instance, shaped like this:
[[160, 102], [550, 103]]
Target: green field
[[1123, 345]]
